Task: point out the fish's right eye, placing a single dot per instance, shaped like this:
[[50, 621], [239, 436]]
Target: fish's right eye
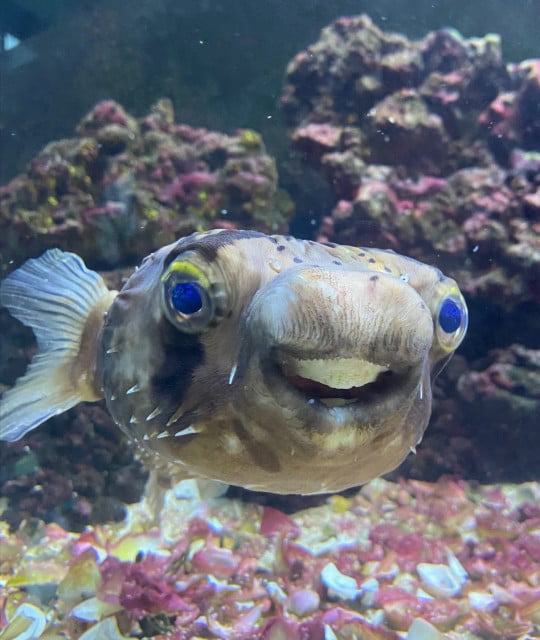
[[185, 297], [452, 320]]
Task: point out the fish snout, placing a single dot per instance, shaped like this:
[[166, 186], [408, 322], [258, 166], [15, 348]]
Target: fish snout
[[312, 313], [346, 340]]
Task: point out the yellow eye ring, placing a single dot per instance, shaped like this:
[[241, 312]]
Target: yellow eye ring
[[186, 300]]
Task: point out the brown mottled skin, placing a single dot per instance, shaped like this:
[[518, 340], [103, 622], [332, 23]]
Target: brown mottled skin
[[278, 301]]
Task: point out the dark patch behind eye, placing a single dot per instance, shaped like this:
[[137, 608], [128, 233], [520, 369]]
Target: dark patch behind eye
[[182, 354]]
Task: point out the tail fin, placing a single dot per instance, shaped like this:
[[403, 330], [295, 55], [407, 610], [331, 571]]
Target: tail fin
[[55, 295]]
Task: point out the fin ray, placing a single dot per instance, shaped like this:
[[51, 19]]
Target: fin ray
[[54, 296]]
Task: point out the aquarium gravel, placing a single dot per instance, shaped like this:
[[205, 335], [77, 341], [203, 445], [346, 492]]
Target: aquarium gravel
[[408, 560]]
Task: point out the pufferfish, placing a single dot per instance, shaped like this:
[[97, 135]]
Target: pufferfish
[[263, 361]]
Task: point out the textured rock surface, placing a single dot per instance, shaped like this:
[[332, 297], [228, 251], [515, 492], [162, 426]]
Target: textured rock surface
[[123, 187], [430, 147]]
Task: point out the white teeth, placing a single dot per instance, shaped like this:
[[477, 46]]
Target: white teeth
[[339, 373], [133, 389], [232, 374]]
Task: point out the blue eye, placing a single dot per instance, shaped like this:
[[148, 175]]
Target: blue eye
[[186, 297], [450, 316]]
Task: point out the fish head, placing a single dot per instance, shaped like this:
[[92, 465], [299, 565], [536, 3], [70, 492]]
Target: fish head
[[306, 375]]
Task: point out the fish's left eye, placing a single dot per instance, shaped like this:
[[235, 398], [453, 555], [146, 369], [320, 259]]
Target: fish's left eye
[[452, 320], [185, 298]]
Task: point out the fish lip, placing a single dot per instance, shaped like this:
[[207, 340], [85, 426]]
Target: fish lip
[[373, 401]]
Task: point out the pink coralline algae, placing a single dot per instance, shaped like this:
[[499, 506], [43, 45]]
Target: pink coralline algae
[[124, 186], [430, 148], [409, 560]]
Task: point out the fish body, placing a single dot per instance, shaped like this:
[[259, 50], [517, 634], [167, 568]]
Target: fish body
[[268, 362]]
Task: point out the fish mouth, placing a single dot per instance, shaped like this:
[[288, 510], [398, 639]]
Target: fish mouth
[[337, 382]]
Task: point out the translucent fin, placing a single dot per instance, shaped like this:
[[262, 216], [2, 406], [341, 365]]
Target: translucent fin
[[54, 295]]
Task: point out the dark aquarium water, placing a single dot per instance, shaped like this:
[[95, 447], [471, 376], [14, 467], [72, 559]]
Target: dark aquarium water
[[233, 447]]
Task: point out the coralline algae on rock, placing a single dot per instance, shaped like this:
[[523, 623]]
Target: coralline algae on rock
[[123, 187], [413, 101], [410, 135]]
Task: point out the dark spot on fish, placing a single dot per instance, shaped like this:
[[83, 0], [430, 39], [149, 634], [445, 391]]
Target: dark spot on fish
[[388, 270], [336, 262], [311, 242], [272, 239], [208, 246], [262, 456], [372, 260], [182, 354], [374, 278], [298, 260], [281, 247], [332, 245], [361, 254], [289, 238]]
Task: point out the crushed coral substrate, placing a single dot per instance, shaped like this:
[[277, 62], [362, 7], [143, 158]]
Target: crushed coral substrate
[[408, 560]]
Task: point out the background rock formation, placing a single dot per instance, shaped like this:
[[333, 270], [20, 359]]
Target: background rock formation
[[429, 147]]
